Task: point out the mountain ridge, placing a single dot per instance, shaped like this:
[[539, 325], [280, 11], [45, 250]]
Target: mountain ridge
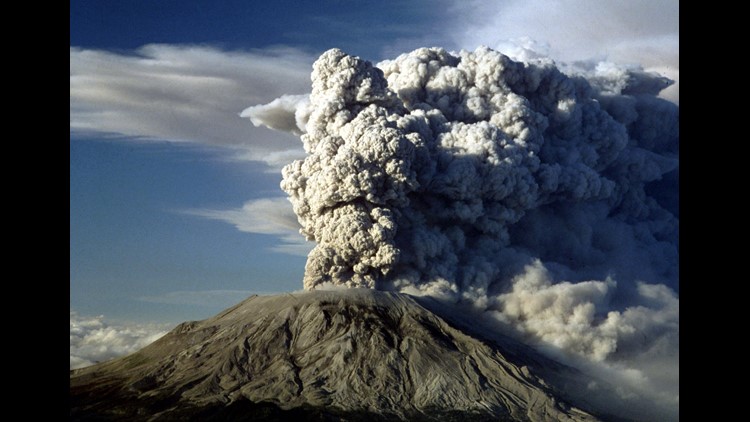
[[355, 354]]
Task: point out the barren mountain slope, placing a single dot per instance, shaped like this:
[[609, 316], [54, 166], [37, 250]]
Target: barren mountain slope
[[357, 354]]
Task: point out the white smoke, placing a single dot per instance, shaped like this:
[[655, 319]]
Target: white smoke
[[545, 199], [564, 315]]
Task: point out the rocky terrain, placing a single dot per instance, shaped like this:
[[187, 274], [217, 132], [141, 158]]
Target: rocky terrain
[[357, 354]]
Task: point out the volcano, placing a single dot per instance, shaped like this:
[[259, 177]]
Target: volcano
[[355, 354]]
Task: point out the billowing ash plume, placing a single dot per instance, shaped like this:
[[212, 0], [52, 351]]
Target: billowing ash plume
[[547, 200]]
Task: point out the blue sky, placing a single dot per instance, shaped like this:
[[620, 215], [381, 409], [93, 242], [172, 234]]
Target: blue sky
[[175, 209]]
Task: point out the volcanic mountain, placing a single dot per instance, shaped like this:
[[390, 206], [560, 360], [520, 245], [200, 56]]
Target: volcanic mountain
[[356, 354]]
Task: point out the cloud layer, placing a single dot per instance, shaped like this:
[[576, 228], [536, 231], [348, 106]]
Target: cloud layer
[[544, 200], [94, 340], [185, 93], [639, 32], [273, 216]]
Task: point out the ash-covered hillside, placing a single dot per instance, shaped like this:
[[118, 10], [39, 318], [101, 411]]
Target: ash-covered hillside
[[358, 354]]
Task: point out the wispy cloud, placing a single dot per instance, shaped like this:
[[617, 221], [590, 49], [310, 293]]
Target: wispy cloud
[[93, 340], [272, 216], [186, 94]]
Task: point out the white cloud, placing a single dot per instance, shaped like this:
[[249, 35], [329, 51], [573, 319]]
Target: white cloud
[[93, 340], [185, 94], [274, 159], [272, 216], [643, 32], [195, 94], [280, 114]]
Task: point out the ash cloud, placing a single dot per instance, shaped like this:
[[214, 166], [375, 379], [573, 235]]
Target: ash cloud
[[542, 196]]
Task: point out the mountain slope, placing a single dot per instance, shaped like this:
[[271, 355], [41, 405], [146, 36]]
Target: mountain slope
[[357, 354]]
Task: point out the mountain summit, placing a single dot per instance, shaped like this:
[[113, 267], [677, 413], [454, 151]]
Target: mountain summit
[[356, 354]]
